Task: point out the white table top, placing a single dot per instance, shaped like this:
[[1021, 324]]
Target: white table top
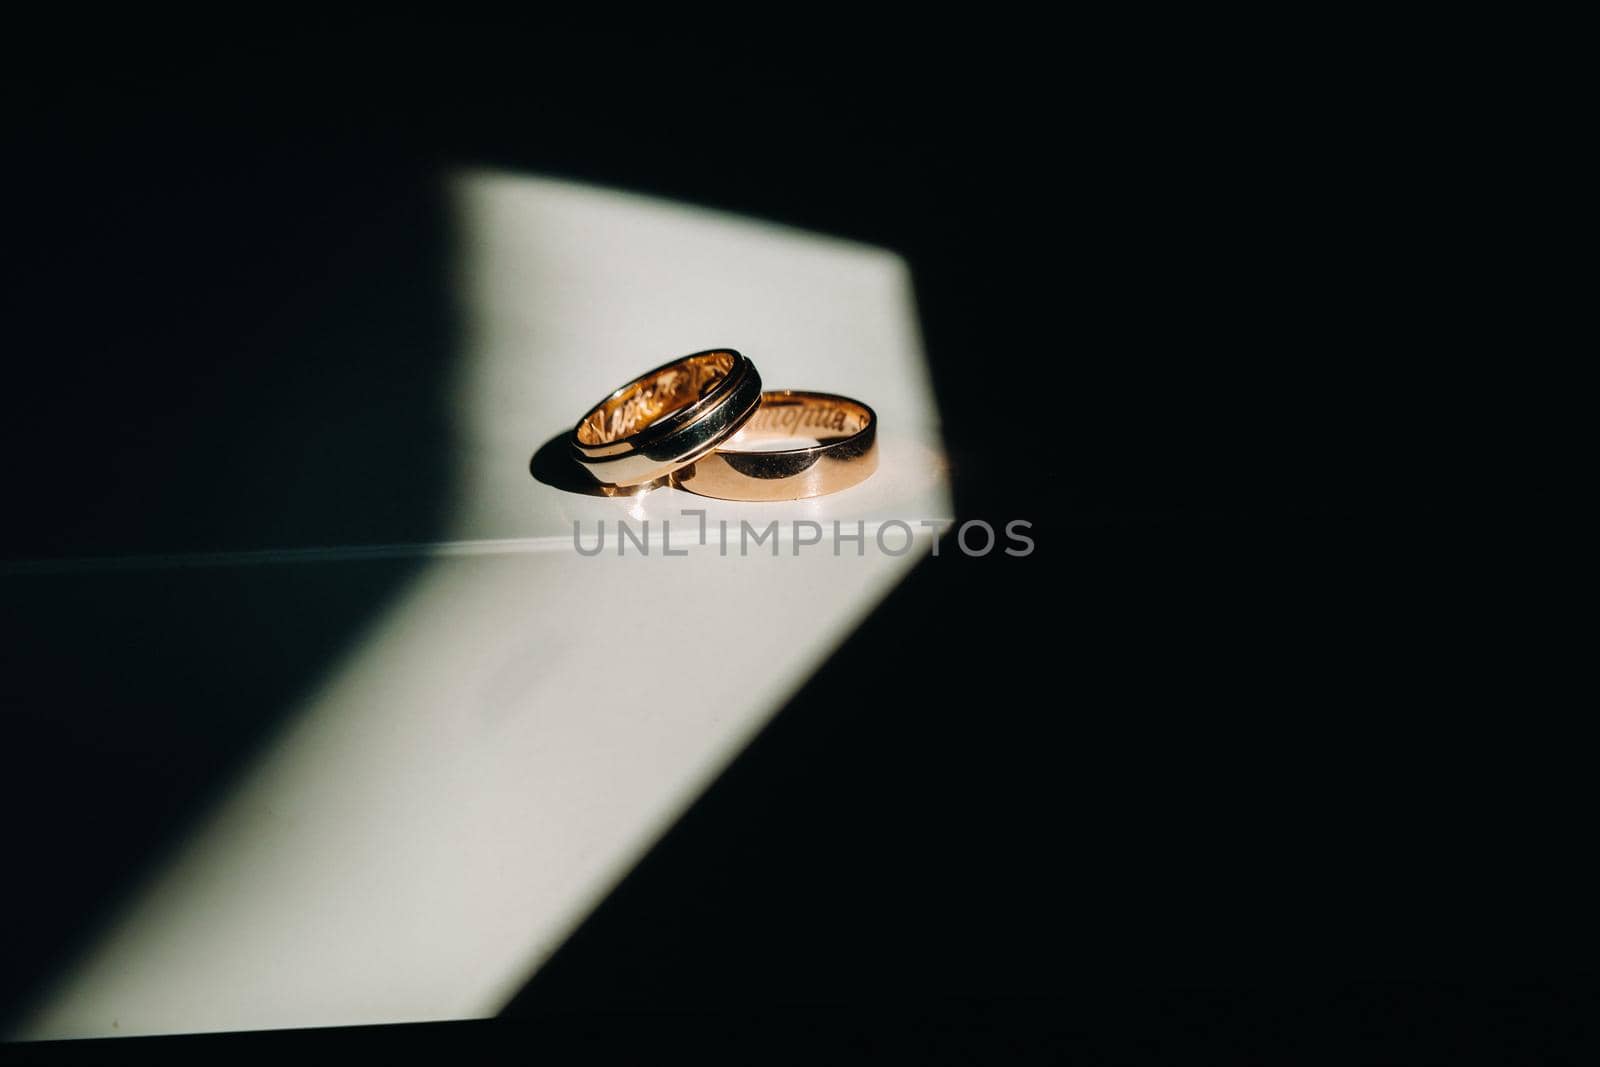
[[501, 747]]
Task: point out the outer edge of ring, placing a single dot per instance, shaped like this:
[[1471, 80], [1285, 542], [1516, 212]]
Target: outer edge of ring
[[654, 431], [682, 437], [855, 457]]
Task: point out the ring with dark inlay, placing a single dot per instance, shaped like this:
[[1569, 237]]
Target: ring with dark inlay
[[667, 418], [828, 443]]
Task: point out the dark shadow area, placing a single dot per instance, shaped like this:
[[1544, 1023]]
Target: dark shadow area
[[1306, 1022], [554, 466], [1203, 763], [223, 332]]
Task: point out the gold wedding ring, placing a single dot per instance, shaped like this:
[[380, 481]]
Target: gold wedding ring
[[668, 418], [797, 445]]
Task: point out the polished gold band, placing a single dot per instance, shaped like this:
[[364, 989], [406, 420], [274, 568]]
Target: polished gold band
[[667, 418], [845, 451]]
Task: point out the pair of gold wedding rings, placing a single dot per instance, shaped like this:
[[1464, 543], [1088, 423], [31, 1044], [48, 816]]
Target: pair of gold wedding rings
[[702, 423]]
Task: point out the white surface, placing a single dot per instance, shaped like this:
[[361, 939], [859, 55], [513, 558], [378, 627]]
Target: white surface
[[507, 741]]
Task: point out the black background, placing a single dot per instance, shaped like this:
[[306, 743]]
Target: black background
[[1232, 761]]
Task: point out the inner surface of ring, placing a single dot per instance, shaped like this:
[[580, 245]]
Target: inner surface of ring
[[654, 397], [798, 422]]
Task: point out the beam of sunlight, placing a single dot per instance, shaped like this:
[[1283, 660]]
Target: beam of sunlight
[[505, 743]]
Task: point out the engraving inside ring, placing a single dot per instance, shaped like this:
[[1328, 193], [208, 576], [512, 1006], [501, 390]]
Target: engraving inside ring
[[797, 422], [650, 399]]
